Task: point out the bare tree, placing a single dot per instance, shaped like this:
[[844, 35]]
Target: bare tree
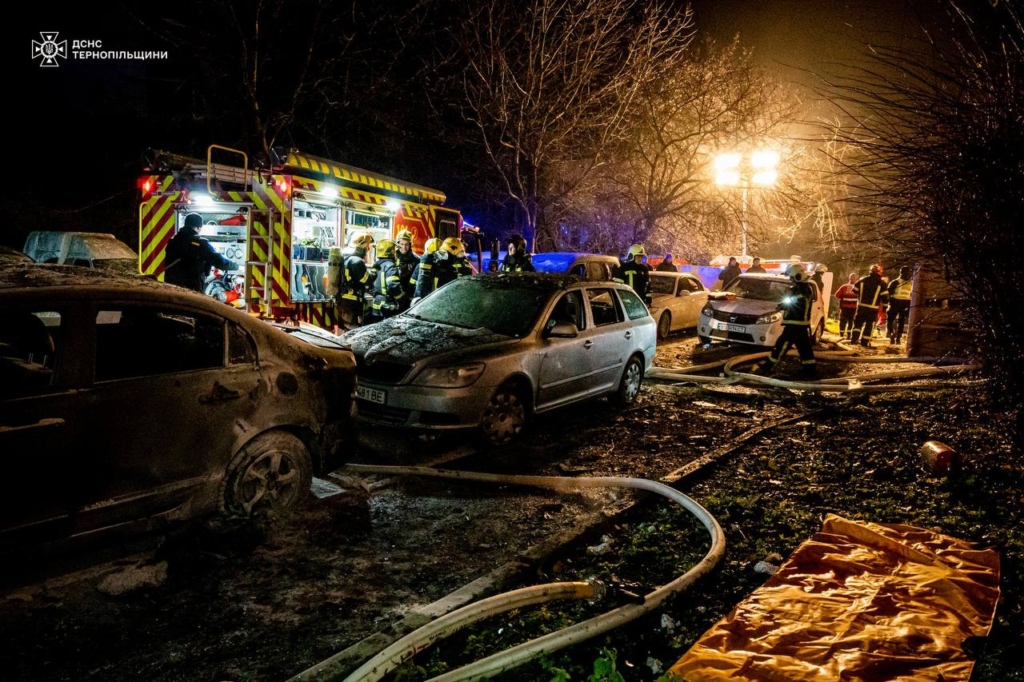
[[552, 82]]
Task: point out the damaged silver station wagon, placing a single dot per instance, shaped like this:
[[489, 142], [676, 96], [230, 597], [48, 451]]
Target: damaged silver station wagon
[[488, 351], [124, 402]]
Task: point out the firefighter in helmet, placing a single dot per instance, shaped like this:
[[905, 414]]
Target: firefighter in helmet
[[796, 325], [406, 261], [518, 257], [899, 291], [190, 257], [387, 287], [446, 263], [355, 279], [871, 295], [635, 273], [424, 270]]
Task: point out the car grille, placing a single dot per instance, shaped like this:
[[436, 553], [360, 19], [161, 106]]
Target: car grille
[[382, 372], [395, 416], [735, 318]]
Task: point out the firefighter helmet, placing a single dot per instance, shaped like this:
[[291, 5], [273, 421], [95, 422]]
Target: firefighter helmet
[[454, 246], [821, 267], [404, 234], [876, 269], [360, 240], [385, 249], [637, 250], [193, 221], [518, 242], [797, 273], [432, 245]]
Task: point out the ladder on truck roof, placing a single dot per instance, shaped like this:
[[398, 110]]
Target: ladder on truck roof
[[159, 160]]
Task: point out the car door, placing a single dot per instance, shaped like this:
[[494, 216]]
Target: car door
[[173, 390], [37, 420], [612, 336], [567, 364], [691, 296]]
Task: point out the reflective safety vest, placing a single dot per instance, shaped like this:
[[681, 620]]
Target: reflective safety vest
[[796, 306], [870, 292], [899, 289]]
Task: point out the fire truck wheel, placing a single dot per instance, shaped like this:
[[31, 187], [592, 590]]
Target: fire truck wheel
[[271, 473]]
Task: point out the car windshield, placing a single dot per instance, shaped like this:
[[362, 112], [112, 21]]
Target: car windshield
[[483, 304], [663, 285], [758, 289]]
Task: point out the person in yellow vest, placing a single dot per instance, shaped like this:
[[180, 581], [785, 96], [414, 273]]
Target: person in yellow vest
[[635, 273], [899, 305]]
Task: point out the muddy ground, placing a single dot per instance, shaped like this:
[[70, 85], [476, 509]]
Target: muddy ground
[[265, 602]]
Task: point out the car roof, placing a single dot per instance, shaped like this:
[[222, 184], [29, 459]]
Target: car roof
[[548, 281]]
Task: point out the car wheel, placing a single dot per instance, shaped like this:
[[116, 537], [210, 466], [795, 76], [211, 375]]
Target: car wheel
[[704, 340], [504, 416], [629, 385], [664, 325], [272, 472], [818, 332]]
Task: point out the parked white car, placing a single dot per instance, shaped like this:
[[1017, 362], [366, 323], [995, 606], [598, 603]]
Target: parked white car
[[489, 351], [746, 311], [676, 301]]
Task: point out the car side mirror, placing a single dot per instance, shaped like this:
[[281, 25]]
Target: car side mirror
[[684, 292], [563, 330]]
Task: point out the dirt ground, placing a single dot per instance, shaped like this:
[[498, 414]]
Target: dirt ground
[[265, 602]]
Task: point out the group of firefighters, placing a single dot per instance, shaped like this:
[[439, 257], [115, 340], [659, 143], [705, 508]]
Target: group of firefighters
[[861, 302]]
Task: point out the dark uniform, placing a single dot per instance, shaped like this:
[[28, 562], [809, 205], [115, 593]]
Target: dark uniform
[[355, 277], [796, 329], [434, 271], [636, 275], [190, 257], [388, 293], [899, 305], [666, 266], [407, 263], [521, 262], [871, 294]]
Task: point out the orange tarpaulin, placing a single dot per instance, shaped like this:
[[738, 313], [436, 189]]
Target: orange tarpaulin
[[858, 601]]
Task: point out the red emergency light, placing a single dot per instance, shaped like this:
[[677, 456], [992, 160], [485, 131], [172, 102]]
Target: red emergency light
[[283, 185], [146, 185]]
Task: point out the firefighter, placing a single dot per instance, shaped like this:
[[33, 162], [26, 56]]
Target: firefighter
[[871, 294], [190, 257], [518, 258], [796, 325], [450, 262], [847, 306], [424, 271], [388, 293], [899, 305], [406, 261], [635, 273], [355, 279]]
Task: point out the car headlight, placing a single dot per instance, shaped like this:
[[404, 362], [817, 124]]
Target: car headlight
[[769, 318], [708, 310], [456, 376]]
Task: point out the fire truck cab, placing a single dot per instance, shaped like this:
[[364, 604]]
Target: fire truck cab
[[278, 223]]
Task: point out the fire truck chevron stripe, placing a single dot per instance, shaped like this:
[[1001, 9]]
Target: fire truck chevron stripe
[[155, 227]]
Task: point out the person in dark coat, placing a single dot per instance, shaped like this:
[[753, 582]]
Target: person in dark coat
[[635, 273], [796, 309], [190, 257], [406, 261], [728, 273], [756, 267], [518, 258], [667, 265], [871, 295]]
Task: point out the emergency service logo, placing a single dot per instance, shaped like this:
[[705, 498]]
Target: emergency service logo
[[48, 50]]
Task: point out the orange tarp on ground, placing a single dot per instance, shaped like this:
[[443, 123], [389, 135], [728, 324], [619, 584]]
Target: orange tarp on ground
[[858, 601]]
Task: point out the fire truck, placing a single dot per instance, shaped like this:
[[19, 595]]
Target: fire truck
[[277, 222]]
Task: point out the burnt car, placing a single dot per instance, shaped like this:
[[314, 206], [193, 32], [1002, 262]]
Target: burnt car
[[125, 402], [488, 351]]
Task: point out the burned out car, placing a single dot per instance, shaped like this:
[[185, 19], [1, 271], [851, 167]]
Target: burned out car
[[488, 351], [125, 402]]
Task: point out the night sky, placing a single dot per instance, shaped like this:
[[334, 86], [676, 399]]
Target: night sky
[[80, 128]]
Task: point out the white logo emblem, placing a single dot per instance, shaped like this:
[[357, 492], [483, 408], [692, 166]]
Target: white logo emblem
[[49, 49]]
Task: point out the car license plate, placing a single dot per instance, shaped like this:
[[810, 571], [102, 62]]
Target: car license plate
[[372, 395], [729, 327]]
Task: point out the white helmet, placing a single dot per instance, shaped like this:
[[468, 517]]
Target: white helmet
[[797, 273]]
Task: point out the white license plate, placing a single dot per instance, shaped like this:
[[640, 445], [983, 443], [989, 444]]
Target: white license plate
[[372, 395], [730, 327]]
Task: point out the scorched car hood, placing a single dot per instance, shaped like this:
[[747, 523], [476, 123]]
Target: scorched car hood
[[406, 340]]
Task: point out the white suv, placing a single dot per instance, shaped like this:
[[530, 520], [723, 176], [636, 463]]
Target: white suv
[[747, 311]]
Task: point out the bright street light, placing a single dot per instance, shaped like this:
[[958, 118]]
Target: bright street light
[[730, 170]]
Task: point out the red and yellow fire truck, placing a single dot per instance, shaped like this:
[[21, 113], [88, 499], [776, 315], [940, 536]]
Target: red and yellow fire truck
[[278, 223]]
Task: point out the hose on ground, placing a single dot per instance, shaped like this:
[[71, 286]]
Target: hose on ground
[[389, 658]]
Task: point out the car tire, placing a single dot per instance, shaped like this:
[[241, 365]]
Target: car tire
[[273, 472], [631, 381], [704, 340], [504, 416], [664, 325], [818, 332]]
